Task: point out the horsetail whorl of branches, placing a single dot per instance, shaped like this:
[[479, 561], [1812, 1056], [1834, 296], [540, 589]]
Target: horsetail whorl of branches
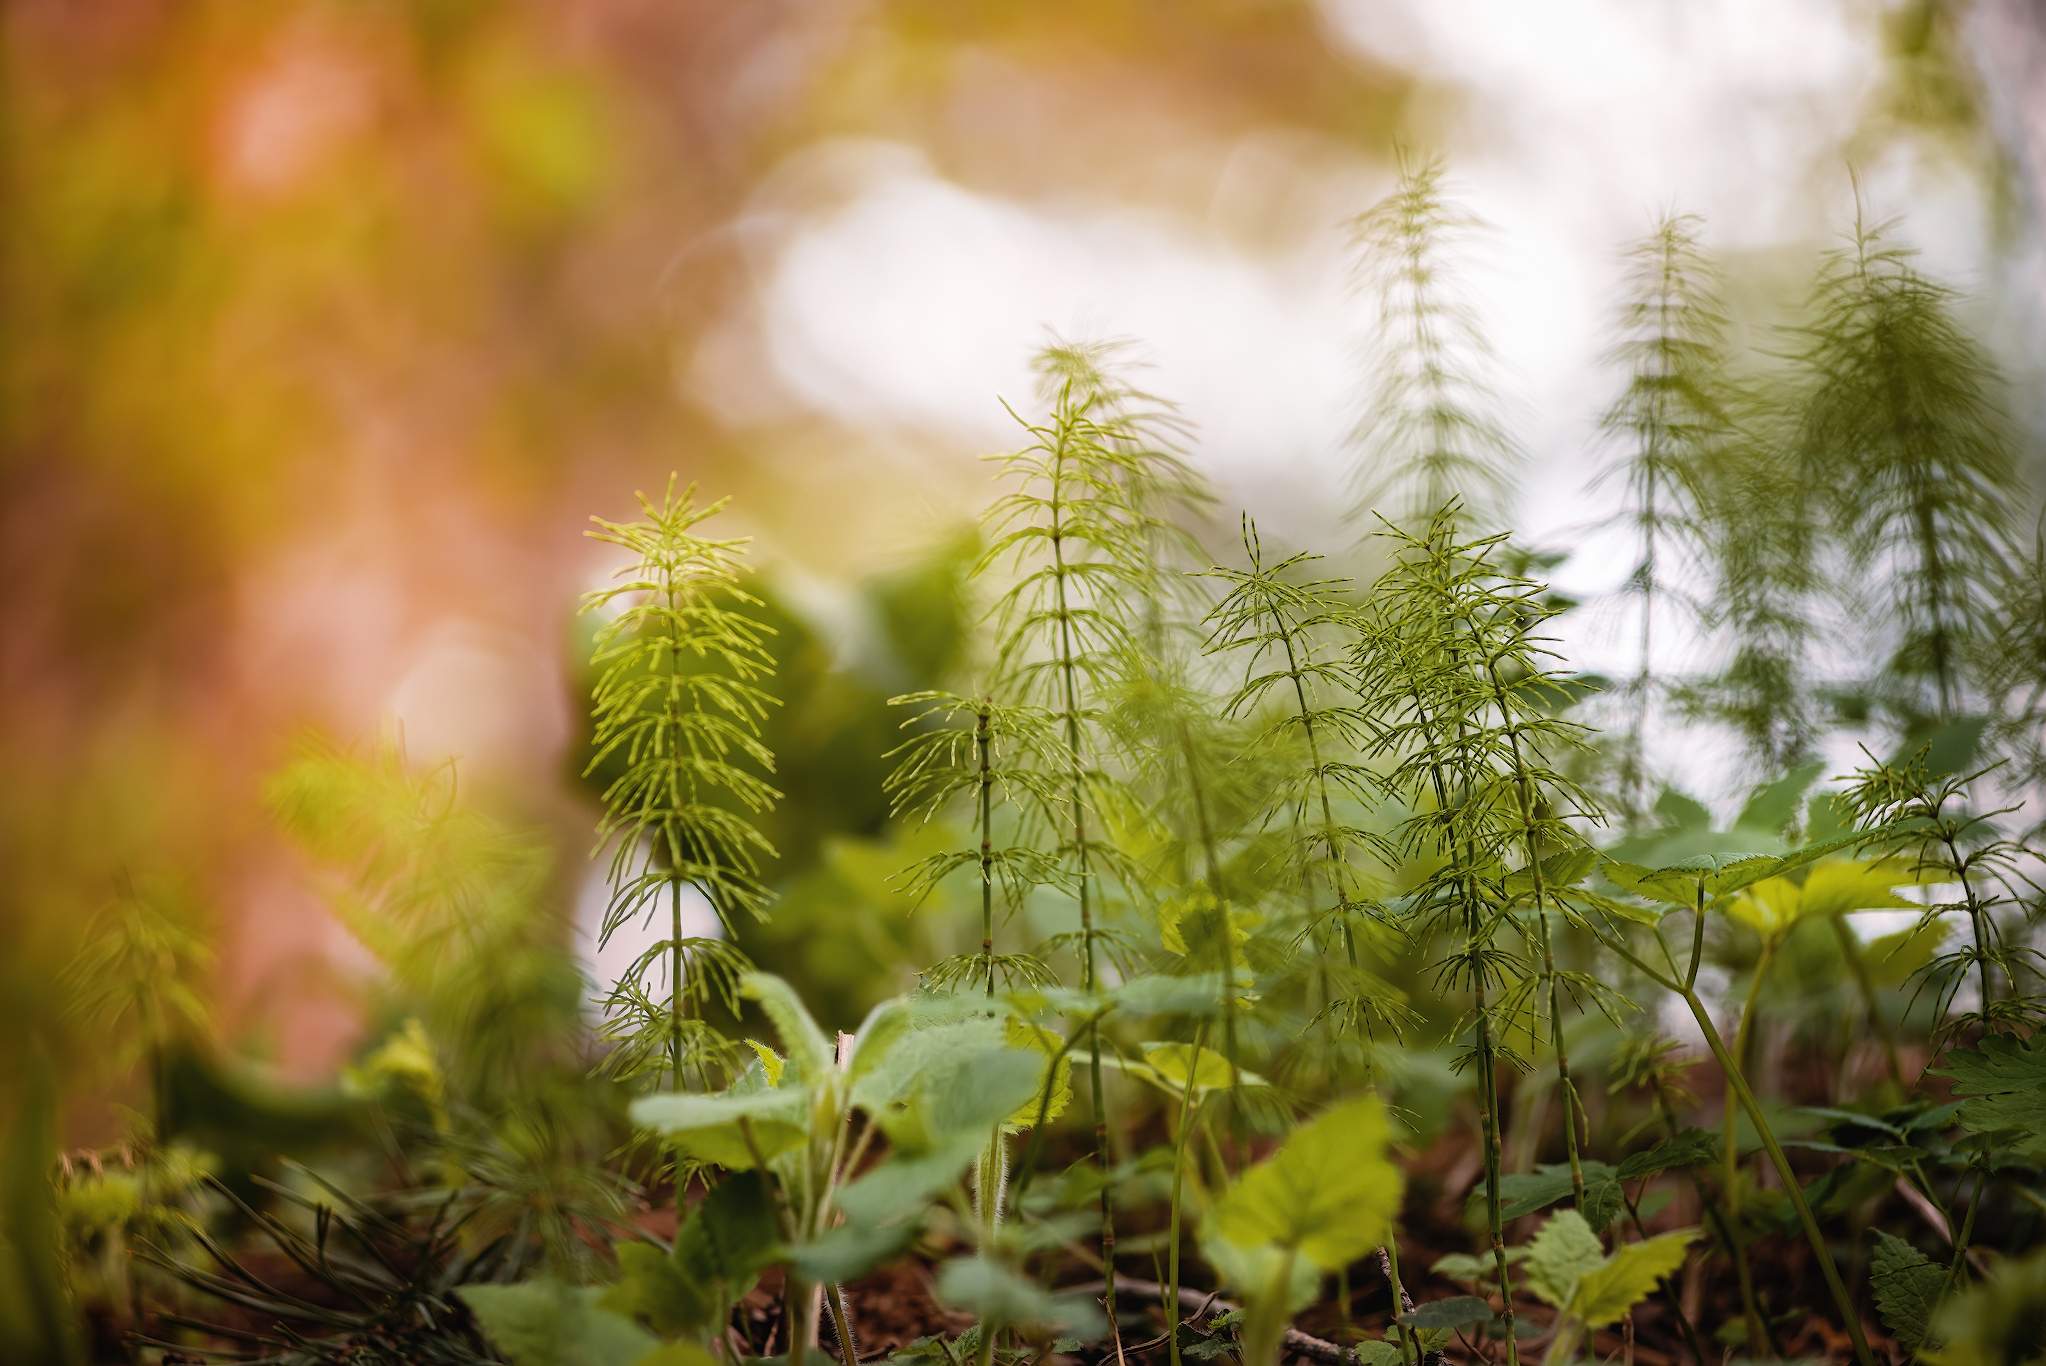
[[1672, 421], [1902, 431], [1433, 432], [677, 697]]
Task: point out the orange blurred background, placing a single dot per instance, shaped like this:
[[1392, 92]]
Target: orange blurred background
[[329, 322]]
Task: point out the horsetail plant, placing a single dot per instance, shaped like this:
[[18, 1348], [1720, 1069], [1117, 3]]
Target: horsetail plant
[[1419, 653], [678, 700], [1672, 418], [997, 764], [1433, 432], [1092, 493]]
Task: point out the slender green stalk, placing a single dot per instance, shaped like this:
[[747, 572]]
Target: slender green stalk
[[987, 846], [1736, 1079], [1178, 1176]]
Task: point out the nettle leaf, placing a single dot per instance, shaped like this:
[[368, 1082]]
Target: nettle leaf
[[1463, 1266], [811, 1052], [905, 1181], [652, 1289], [1329, 1191], [850, 1251], [707, 1127], [1458, 1311], [1907, 1287], [1604, 1295], [1000, 1297], [1678, 883], [1525, 1193], [1690, 1148], [729, 1236], [1168, 1063], [1379, 1354], [545, 1323], [2007, 1077], [1199, 993], [1775, 906], [1561, 1254], [1021, 1036]]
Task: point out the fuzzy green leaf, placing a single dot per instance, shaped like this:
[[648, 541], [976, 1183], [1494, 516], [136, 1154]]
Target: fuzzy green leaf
[[811, 1052], [1691, 1148], [1329, 1191], [544, 1323], [1605, 1294], [1907, 1286], [1561, 1254], [2007, 1077], [1000, 1297]]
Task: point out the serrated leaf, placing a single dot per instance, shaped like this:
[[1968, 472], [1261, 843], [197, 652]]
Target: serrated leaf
[[545, 1323], [905, 1181], [1563, 1251], [1528, 1192], [808, 1049], [1907, 1287], [1454, 1312], [1379, 1354], [1605, 1294], [729, 1236], [1000, 1297], [1464, 1266], [850, 1251], [2007, 1077], [1329, 1191], [1025, 1037], [652, 1289], [1775, 906], [1690, 1148]]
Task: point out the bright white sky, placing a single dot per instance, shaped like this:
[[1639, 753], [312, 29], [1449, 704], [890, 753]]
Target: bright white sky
[[1569, 125]]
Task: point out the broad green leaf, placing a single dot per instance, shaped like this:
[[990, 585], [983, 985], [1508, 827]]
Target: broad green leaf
[[850, 1251], [1525, 1193], [905, 1181], [545, 1323], [725, 1145], [999, 1297], [1466, 1267], [885, 1026], [1329, 1191], [771, 1062], [1907, 1286], [1559, 871], [2007, 1077], [982, 1090], [1678, 883], [808, 1049], [1774, 805], [1026, 1037], [1680, 812], [1690, 1148], [653, 1289], [1775, 906], [1253, 1269], [730, 1235], [1454, 1312], [1169, 1062], [1564, 1251], [1605, 1294], [674, 1114], [682, 1353], [1199, 993], [1893, 959], [1379, 1354]]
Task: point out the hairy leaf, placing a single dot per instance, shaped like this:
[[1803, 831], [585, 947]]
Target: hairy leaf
[[2008, 1078], [1907, 1285], [1563, 1252], [1604, 1295], [545, 1323], [1329, 1191], [1690, 1148]]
